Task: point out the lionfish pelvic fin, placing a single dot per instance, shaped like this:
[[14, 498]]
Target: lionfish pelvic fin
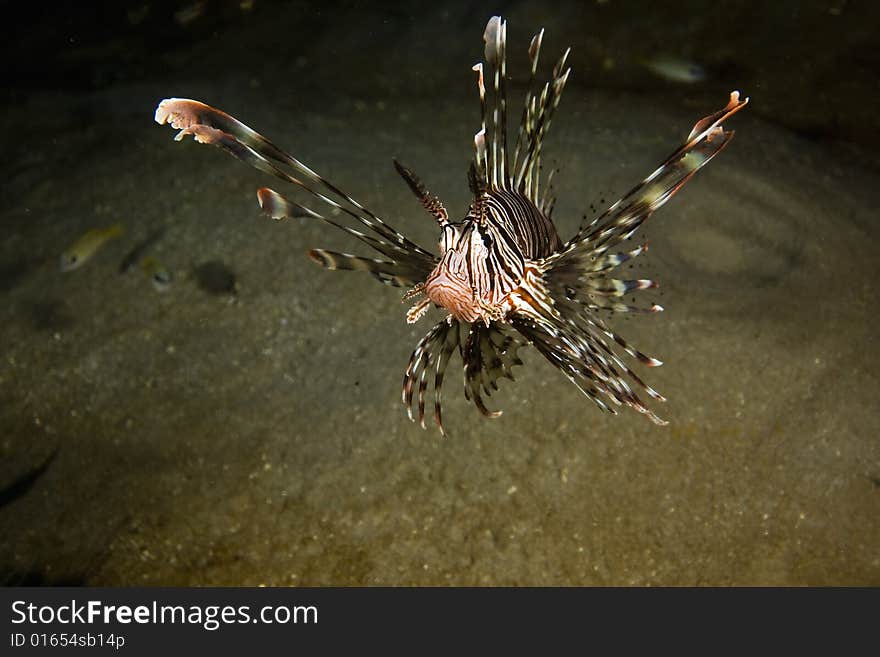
[[488, 354]]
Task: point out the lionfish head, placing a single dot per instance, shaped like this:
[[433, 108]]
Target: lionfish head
[[451, 284]]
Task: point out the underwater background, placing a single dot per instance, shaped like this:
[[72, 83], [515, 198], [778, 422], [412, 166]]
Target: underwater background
[[225, 412]]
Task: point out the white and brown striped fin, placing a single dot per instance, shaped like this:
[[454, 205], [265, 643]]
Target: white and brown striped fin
[[620, 307], [615, 287], [579, 347], [495, 38], [491, 154], [538, 115], [433, 351], [625, 216], [409, 268], [580, 272], [584, 278], [209, 125], [278, 207], [548, 198], [521, 137], [389, 273], [481, 161], [570, 334], [488, 354]]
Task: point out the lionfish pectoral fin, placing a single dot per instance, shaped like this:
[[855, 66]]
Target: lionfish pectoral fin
[[568, 333], [389, 273], [399, 271], [711, 123], [488, 354], [620, 221], [576, 342], [278, 207], [209, 125], [478, 402], [579, 275]]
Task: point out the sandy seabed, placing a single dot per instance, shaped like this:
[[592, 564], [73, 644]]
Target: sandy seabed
[[255, 436]]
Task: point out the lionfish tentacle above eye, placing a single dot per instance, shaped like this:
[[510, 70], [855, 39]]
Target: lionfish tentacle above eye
[[503, 275], [430, 202]]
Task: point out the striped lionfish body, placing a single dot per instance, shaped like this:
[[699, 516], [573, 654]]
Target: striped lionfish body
[[504, 277]]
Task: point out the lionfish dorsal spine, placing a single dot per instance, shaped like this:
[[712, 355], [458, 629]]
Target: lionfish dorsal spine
[[494, 38], [540, 113], [521, 171], [534, 54], [481, 162]]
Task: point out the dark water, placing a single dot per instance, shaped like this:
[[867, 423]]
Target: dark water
[[244, 425]]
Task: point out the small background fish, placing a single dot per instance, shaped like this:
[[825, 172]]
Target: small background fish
[[81, 251], [160, 276], [675, 69]]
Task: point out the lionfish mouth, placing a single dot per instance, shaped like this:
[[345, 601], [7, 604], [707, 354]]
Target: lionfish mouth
[[503, 275]]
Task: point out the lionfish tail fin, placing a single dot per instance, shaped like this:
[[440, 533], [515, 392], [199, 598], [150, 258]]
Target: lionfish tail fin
[[208, 125]]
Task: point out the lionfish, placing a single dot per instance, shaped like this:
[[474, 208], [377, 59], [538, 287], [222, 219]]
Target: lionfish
[[503, 275]]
